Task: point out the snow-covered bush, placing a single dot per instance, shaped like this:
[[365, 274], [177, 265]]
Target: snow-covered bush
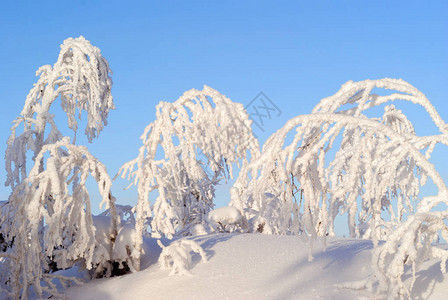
[[49, 215], [5, 239], [117, 252], [178, 256], [122, 247], [124, 252], [227, 219], [200, 136]]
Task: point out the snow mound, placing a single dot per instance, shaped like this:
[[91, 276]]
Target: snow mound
[[258, 266]]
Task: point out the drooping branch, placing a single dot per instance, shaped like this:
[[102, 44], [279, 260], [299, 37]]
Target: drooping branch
[[80, 78], [55, 194]]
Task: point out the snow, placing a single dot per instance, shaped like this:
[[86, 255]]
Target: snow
[[259, 266], [224, 218], [227, 214]]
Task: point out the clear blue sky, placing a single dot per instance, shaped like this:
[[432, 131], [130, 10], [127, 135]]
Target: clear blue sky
[[296, 52]]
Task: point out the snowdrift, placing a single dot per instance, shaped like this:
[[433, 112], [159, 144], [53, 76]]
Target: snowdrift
[[259, 266]]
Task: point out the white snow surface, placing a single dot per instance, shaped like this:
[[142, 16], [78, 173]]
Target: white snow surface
[[258, 266]]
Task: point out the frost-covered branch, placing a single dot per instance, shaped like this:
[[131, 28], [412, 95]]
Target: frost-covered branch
[[360, 94], [410, 244]]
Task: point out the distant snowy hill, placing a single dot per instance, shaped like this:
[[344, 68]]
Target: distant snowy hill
[[258, 266]]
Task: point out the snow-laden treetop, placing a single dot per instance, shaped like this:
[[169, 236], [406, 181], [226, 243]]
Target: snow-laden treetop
[[80, 78]]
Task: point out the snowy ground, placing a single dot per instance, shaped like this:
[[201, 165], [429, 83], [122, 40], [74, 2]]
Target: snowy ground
[[257, 266]]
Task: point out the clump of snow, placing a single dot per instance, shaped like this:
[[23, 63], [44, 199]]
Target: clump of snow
[[200, 229], [227, 219]]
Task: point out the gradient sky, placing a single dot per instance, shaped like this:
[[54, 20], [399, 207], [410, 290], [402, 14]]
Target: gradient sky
[[295, 52]]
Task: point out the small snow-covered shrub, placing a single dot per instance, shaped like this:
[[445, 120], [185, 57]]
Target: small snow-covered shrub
[[124, 252], [5, 239], [123, 247], [177, 256], [114, 253], [105, 236], [227, 219]]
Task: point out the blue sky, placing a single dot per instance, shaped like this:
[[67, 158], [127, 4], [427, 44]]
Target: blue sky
[[296, 52]]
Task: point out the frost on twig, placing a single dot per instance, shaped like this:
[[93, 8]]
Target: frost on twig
[[178, 256]]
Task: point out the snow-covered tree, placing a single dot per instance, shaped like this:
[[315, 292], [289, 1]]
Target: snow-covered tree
[[339, 161], [200, 136], [44, 223], [49, 215], [80, 78], [336, 157]]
